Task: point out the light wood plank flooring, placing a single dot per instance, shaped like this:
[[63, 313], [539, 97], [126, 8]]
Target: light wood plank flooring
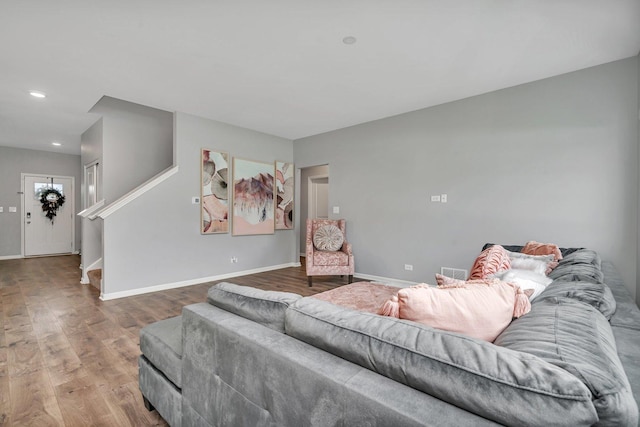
[[69, 359]]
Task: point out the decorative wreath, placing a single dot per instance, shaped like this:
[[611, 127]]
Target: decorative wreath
[[51, 200]]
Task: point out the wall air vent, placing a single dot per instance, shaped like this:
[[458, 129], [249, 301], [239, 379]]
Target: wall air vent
[[455, 273]]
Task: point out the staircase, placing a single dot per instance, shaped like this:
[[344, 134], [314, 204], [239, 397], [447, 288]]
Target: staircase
[[95, 277]]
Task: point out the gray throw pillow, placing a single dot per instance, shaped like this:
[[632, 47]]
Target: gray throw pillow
[[328, 238]]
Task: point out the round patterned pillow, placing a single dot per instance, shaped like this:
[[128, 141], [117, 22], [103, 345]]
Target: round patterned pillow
[[328, 238]]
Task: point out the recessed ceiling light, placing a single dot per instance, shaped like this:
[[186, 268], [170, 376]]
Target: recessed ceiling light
[[37, 94], [349, 40], [57, 144]]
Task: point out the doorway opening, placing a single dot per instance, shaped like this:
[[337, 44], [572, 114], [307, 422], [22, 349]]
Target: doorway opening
[[314, 197]]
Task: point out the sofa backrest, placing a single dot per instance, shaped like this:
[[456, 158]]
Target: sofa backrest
[[500, 384], [264, 307]]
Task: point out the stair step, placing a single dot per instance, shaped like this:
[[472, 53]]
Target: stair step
[[95, 277]]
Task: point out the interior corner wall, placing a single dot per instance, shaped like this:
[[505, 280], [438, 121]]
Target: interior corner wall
[[13, 162], [554, 160], [638, 109], [137, 144], [155, 240], [91, 151]]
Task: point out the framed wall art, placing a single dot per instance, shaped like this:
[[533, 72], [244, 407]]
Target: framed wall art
[[284, 195], [253, 197], [214, 191]]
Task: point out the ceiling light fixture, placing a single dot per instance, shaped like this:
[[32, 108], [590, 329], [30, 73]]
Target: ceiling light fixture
[[37, 94], [57, 144], [349, 40]]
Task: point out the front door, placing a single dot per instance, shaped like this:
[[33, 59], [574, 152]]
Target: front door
[[42, 236]]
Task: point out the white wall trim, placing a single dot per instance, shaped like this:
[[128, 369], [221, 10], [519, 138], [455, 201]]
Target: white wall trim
[[166, 286], [137, 192], [385, 280], [94, 266], [11, 257], [91, 210]]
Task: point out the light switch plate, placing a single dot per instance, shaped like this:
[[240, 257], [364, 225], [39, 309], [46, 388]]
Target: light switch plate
[[195, 200], [336, 209], [12, 209], [1, 209]]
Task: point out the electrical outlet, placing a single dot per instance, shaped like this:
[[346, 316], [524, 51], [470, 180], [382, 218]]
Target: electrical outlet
[[234, 259], [408, 267], [435, 198], [12, 209], [195, 200], [443, 198], [336, 209], [1, 209]]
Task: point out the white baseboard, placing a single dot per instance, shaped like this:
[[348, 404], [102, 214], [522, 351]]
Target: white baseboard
[[11, 257], [385, 280], [166, 286], [94, 266]]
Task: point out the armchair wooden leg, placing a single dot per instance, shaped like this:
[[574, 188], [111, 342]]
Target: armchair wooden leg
[[350, 278], [309, 280]]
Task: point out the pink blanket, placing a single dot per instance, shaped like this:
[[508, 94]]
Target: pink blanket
[[361, 296]]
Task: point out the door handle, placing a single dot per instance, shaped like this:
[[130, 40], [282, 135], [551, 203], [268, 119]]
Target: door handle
[[28, 214]]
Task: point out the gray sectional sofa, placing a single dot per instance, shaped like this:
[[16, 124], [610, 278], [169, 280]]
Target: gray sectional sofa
[[249, 357]]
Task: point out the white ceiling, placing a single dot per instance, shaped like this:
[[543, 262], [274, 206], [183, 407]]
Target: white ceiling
[[280, 66]]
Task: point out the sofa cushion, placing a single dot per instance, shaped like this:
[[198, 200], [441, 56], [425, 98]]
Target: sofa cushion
[[502, 385], [518, 248], [581, 265], [597, 295], [161, 344], [580, 272], [577, 338], [264, 307], [583, 256]]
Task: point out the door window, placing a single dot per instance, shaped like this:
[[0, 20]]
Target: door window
[[39, 187]]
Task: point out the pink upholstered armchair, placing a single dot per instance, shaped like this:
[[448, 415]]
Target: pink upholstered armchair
[[326, 262]]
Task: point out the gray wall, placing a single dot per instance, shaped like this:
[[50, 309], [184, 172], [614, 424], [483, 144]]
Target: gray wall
[[137, 144], [638, 262], [13, 162], [555, 161], [304, 198], [156, 239]]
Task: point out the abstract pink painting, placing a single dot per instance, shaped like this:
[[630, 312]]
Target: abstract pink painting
[[214, 194], [284, 195], [253, 197]]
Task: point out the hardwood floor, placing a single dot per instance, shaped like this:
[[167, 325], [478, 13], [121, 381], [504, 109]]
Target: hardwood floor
[[69, 359]]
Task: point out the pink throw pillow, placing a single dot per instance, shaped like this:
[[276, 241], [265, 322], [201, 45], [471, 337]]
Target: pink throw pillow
[[535, 248], [479, 310], [490, 261]]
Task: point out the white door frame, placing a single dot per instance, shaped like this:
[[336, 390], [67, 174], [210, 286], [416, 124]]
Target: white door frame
[[72, 199]]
